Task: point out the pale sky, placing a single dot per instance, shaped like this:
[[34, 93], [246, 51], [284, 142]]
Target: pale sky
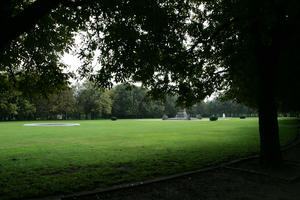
[[73, 64]]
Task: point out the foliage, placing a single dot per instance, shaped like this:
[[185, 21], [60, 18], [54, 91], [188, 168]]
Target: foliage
[[148, 45], [13, 104], [86, 101], [213, 118], [134, 104], [216, 107], [63, 103], [150, 42], [251, 48], [26, 109], [93, 101], [32, 59]]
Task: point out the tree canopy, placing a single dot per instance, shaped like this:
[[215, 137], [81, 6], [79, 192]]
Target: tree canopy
[[35, 36], [191, 48]]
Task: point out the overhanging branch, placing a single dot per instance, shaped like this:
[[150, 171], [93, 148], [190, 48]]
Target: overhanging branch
[[13, 27], [218, 30]]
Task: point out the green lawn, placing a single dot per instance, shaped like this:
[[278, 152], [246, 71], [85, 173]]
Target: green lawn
[[39, 161]]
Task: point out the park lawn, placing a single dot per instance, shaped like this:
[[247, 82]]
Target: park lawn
[[40, 161]]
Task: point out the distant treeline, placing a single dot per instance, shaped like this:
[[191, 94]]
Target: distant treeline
[[88, 102]]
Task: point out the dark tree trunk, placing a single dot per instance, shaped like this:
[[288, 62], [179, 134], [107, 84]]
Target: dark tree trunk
[[270, 154], [266, 53]]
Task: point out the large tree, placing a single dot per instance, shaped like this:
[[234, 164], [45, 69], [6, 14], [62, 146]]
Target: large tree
[[134, 103], [257, 45], [246, 48]]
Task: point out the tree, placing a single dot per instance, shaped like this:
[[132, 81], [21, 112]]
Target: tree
[[216, 107], [14, 106], [236, 46], [126, 103], [26, 109], [191, 48], [170, 106], [133, 102], [8, 105], [255, 47], [63, 103], [93, 101], [43, 107], [105, 104], [35, 35]]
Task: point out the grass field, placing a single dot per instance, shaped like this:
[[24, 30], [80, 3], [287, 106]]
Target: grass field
[[39, 161]]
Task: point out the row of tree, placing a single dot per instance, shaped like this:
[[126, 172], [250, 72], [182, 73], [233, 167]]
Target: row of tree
[[87, 102]]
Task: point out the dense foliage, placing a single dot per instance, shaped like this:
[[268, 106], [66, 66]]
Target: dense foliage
[[89, 102], [213, 118]]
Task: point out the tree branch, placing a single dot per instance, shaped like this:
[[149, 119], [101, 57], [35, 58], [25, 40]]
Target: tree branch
[[73, 4], [12, 75], [216, 33], [13, 27]]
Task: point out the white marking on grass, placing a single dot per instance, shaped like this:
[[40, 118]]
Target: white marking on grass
[[53, 124]]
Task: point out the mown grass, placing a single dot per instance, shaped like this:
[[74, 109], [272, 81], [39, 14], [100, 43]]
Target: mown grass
[[39, 161]]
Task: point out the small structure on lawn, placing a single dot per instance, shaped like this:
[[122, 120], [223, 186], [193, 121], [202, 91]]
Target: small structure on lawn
[[181, 115]]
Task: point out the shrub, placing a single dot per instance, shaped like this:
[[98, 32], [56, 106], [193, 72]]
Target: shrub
[[242, 117], [213, 118], [113, 118]]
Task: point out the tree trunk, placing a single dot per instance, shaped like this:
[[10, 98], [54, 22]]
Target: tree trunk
[[267, 53], [270, 154]]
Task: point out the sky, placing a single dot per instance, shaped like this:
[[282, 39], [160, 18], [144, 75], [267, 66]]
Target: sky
[[73, 64]]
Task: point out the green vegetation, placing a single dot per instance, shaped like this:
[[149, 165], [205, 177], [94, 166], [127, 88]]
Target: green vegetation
[[213, 118], [39, 161], [85, 101]]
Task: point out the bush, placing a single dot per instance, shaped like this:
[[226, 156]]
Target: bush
[[213, 118], [242, 117], [113, 118]]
